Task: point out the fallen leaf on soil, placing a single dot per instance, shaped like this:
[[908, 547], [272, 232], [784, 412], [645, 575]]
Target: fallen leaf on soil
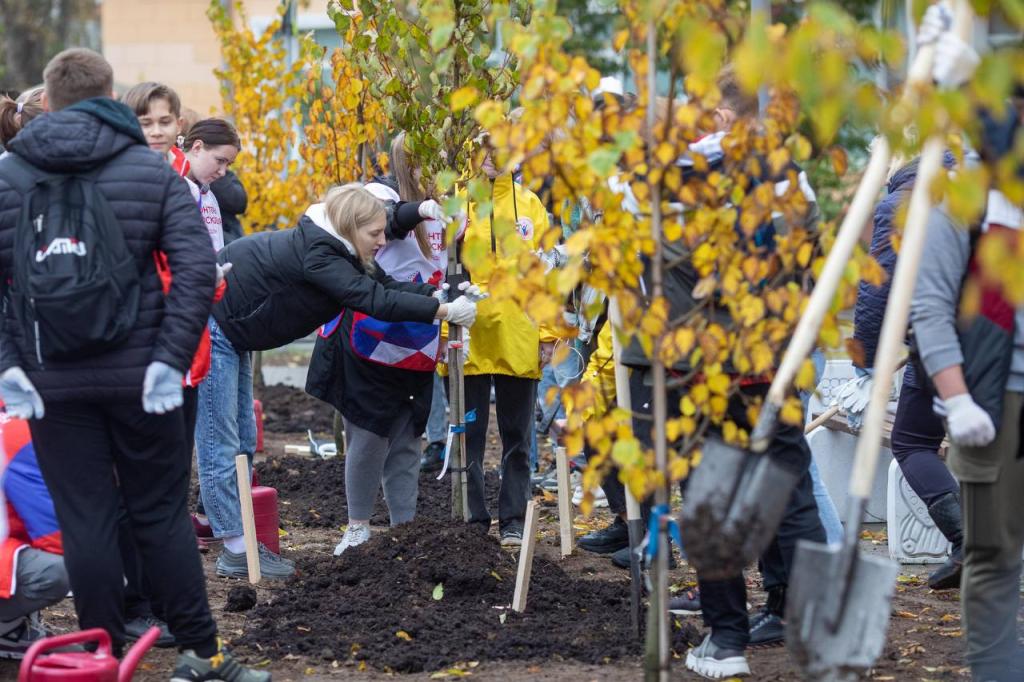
[[910, 580], [495, 575], [501, 617], [402, 634], [438, 593], [949, 618], [905, 614], [451, 672]]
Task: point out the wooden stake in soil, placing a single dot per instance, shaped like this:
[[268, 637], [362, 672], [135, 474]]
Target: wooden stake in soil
[[565, 514], [252, 555], [526, 557]]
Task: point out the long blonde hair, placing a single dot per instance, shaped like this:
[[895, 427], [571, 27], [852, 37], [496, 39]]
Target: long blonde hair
[[408, 188], [348, 207]]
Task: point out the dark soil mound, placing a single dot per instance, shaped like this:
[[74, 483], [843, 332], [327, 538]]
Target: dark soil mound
[[377, 603], [287, 409], [311, 492]]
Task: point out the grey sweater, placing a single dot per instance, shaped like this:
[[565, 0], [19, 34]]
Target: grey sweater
[[933, 313]]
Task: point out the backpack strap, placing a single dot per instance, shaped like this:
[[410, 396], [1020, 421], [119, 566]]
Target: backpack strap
[[21, 174]]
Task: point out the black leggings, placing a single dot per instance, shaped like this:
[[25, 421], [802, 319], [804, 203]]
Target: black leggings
[[917, 433]]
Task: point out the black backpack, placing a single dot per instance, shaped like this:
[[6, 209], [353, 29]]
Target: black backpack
[[74, 285]]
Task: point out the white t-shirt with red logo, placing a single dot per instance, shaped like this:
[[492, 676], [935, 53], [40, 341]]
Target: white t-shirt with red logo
[[209, 209]]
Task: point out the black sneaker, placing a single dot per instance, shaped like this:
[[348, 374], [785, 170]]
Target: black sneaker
[[767, 629], [715, 663], [222, 667], [607, 540], [433, 457], [15, 642], [135, 628], [947, 576], [512, 534], [620, 559], [685, 603]]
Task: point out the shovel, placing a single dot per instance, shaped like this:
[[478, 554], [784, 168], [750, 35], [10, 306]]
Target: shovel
[[838, 599]]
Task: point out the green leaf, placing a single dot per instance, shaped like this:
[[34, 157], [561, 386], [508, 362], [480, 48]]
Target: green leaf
[[440, 34], [438, 594], [602, 161]]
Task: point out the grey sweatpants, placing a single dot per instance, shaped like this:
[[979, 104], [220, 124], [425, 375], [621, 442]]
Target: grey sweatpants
[[993, 542], [371, 460], [41, 581]]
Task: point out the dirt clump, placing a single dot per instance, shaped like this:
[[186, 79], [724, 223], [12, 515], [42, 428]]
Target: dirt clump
[[240, 598], [429, 594], [311, 492], [289, 409]]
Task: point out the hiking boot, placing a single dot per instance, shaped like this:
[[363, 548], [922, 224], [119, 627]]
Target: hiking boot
[[223, 666], [433, 457], [948, 518], [135, 628], [17, 640], [685, 603], [512, 534], [607, 540], [272, 566], [355, 535], [767, 629], [715, 663]]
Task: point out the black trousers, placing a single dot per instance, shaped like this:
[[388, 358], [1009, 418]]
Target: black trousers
[[96, 457], [724, 602], [917, 433], [137, 603], [613, 489], [514, 401]]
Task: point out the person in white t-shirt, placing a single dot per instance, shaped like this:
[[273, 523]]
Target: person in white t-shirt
[[210, 147]]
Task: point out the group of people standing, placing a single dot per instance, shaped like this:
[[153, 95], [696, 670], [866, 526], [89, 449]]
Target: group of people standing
[[127, 206]]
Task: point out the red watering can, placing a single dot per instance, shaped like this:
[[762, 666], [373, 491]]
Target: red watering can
[[82, 666]]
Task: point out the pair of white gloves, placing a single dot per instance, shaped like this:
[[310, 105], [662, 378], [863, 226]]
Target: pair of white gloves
[[966, 422], [161, 385]]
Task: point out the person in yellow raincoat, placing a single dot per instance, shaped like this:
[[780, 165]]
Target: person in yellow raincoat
[[508, 351]]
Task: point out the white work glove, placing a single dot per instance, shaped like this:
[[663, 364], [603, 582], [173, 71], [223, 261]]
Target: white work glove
[[853, 398], [937, 19], [468, 289], [966, 422], [222, 272], [471, 291], [161, 388], [462, 312], [21, 398], [431, 210], [955, 61]]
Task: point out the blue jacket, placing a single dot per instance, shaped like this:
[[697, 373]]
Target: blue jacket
[[871, 300]]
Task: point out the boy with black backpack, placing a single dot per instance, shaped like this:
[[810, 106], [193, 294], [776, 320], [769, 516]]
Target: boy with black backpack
[[94, 353]]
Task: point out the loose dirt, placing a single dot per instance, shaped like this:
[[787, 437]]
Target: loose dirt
[[287, 409]]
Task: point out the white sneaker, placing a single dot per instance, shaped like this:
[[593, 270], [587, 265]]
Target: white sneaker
[[600, 499], [356, 534], [714, 663]]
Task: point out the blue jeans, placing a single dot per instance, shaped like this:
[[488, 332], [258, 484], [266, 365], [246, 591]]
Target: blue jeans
[[826, 507], [225, 428], [437, 422]]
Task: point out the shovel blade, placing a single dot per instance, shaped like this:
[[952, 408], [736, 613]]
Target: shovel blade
[[733, 504], [844, 644]]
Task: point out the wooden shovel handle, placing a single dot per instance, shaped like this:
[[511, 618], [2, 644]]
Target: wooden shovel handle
[[897, 311], [846, 238], [821, 419]]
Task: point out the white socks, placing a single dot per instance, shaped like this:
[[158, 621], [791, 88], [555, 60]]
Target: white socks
[[235, 545]]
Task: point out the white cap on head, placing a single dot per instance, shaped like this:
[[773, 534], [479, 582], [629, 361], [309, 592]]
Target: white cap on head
[[611, 85]]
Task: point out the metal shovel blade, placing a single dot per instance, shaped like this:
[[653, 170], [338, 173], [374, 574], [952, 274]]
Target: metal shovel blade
[[733, 503], [844, 644]]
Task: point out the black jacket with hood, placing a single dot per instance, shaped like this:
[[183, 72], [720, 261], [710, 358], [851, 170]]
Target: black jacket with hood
[[155, 209], [284, 285]]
